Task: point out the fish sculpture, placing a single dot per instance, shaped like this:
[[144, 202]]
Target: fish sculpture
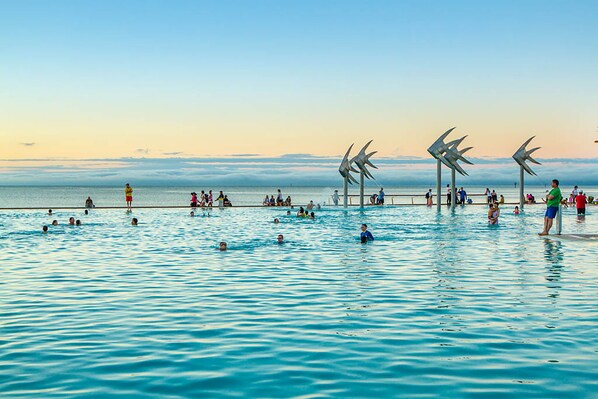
[[522, 155]]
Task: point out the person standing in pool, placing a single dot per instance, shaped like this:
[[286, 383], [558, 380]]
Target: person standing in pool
[[381, 196], [335, 198], [366, 235], [580, 202], [553, 199], [429, 197], [129, 196], [493, 213]]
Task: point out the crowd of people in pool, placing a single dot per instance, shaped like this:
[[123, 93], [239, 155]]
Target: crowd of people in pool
[[553, 200]]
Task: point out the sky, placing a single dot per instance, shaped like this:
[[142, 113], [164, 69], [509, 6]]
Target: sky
[[118, 80]]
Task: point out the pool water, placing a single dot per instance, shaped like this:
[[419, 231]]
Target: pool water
[[439, 305]]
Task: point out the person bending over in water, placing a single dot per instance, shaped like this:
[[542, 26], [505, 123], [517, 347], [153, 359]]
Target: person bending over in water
[[134, 222], [493, 214], [366, 235], [280, 239], [45, 229], [222, 246]]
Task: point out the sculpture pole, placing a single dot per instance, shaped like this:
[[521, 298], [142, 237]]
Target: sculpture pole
[[453, 190], [521, 193], [361, 181], [345, 191], [438, 183]]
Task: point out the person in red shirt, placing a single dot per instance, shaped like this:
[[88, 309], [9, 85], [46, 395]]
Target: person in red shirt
[[580, 203]]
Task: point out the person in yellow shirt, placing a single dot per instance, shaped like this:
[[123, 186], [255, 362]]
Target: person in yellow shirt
[[129, 196]]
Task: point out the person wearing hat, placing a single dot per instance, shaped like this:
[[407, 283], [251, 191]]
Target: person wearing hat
[[580, 203], [335, 197]]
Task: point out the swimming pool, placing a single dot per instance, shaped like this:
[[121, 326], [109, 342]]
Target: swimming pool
[[437, 306]]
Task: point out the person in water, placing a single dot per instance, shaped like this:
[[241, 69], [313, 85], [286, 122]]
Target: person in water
[[129, 196], [89, 203], [222, 246], [276, 220], [86, 212], [301, 212], [493, 214], [45, 229], [210, 198], [77, 222], [49, 211], [312, 215], [134, 222], [553, 199], [381, 196], [335, 198], [54, 222], [310, 206], [72, 221], [192, 214], [580, 203], [280, 239], [366, 234], [516, 210], [288, 213]]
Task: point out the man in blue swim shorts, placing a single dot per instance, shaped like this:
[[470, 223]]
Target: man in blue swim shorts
[[553, 200]]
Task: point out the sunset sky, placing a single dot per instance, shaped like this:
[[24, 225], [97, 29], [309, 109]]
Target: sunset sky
[[159, 79]]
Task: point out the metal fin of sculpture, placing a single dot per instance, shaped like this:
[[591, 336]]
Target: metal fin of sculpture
[[522, 155], [346, 167], [362, 160]]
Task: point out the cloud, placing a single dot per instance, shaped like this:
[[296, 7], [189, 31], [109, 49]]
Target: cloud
[[298, 170], [142, 150], [172, 154], [27, 144]]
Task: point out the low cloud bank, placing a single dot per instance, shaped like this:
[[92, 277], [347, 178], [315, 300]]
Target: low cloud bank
[[291, 169]]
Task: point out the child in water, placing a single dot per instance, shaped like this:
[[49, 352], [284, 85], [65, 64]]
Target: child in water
[[516, 210]]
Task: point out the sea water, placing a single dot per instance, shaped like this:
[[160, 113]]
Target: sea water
[[439, 305]]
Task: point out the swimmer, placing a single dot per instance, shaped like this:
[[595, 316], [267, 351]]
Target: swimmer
[[45, 229], [288, 213], [276, 220], [78, 222], [54, 222], [72, 221], [86, 212], [312, 215], [365, 234], [192, 214], [300, 212], [280, 239], [493, 214], [223, 246], [134, 222], [516, 210], [49, 211], [310, 206]]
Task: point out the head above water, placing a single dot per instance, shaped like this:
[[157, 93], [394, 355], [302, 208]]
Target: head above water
[[276, 220], [192, 213], [78, 222], [54, 222], [71, 220], [45, 229], [280, 238], [222, 246], [134, 221], [86, 212], [49, 211]]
